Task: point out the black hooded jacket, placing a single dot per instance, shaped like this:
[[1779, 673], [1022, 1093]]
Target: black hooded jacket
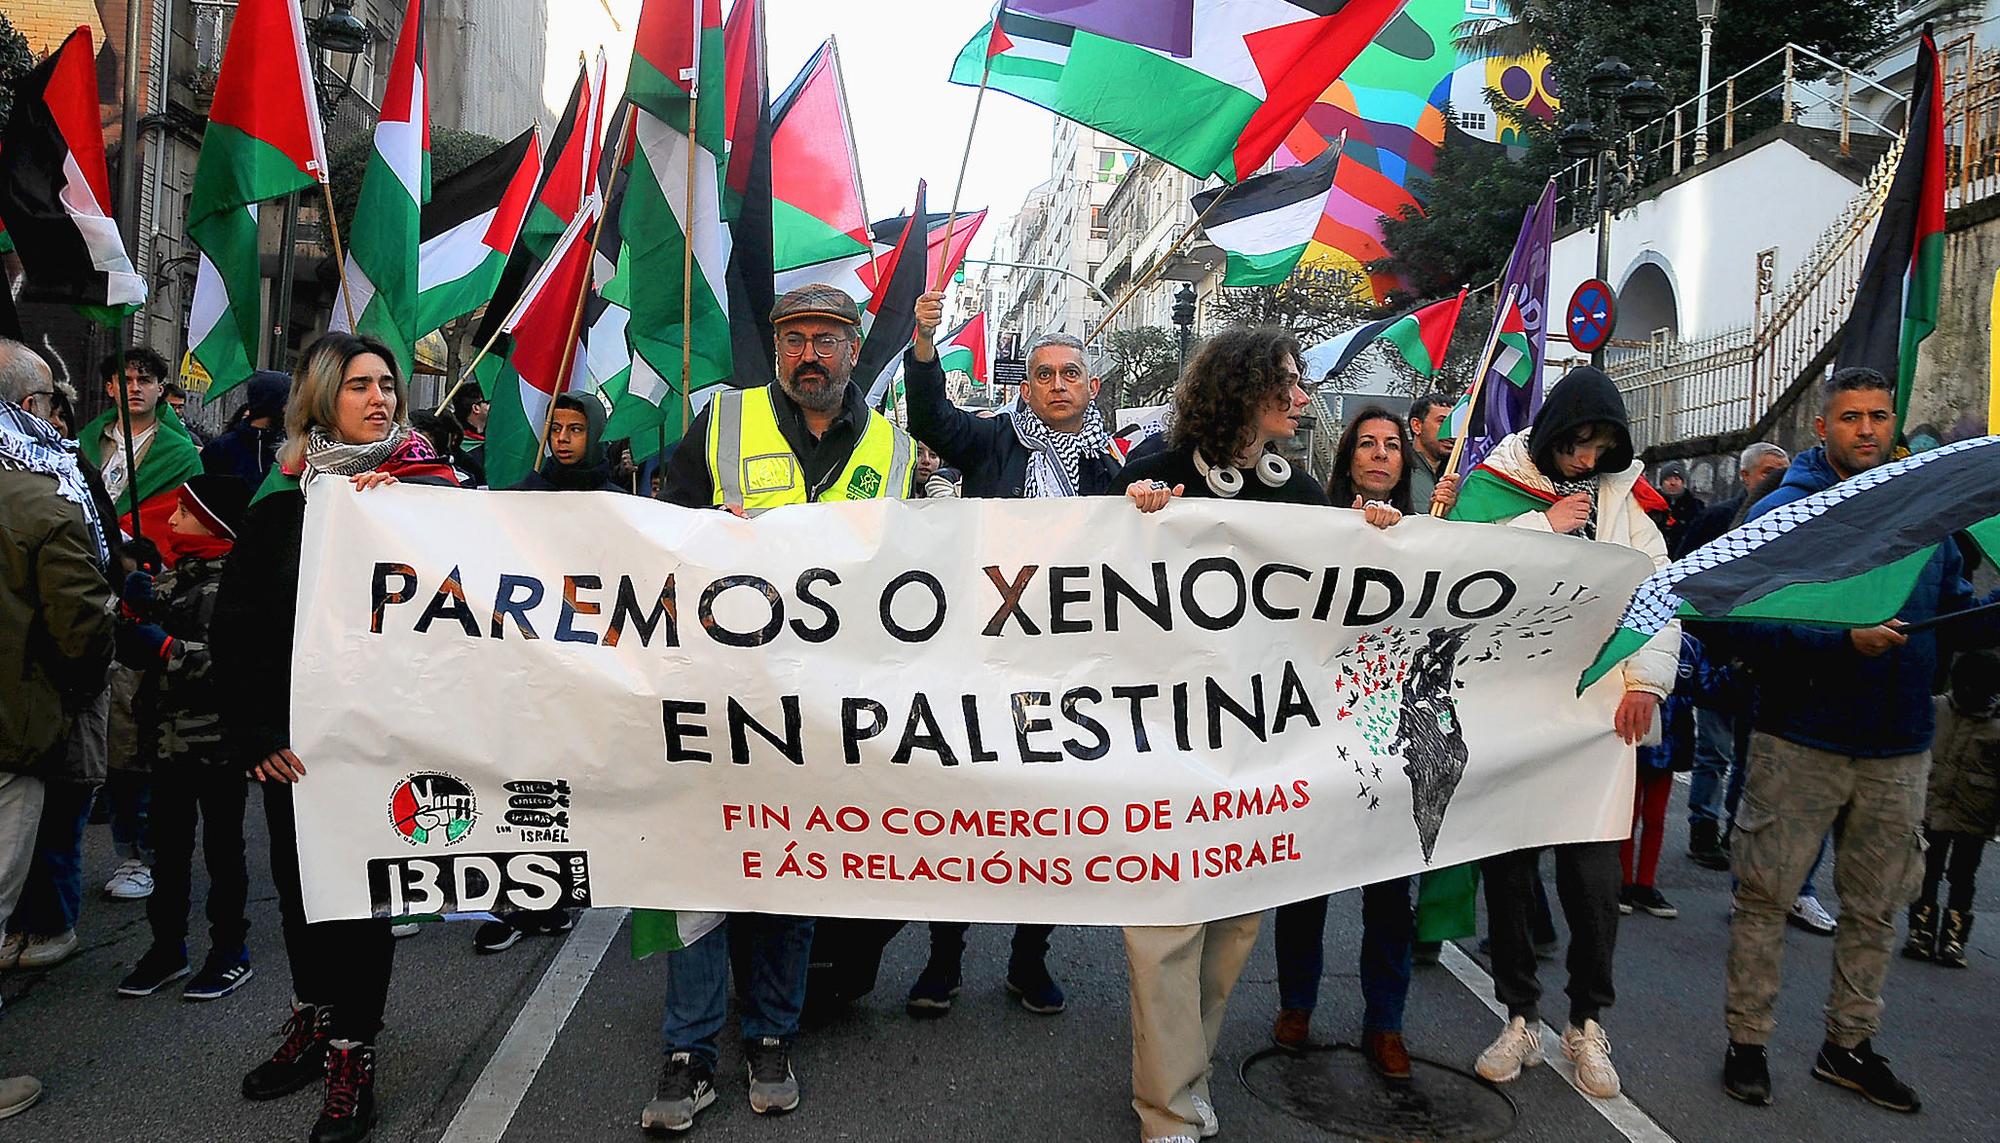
[[593, 472], [1584, 396]]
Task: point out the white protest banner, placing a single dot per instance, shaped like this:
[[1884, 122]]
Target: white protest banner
[[1047, 711]]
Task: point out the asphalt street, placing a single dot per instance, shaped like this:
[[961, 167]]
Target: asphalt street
[[163, 1069]]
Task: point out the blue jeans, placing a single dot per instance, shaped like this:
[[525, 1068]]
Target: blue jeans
[[52, 899], [1715, 768], [698, 984], [1388, 928]]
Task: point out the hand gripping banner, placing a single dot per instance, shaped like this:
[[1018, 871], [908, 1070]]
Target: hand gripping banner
[[1047, 711]]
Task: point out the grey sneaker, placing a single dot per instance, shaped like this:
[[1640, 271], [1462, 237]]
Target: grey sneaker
[[774, 1090], [1210, 1125], [687, 1084], [18, 1094]]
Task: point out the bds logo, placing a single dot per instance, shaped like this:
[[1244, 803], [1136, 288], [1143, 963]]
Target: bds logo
[[478, 883]]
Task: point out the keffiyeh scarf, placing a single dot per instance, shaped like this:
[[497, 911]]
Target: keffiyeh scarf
[[30, 444], [1587, 486], [401, 453], [1055, 459]]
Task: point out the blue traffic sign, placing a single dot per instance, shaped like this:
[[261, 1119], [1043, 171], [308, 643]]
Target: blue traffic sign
[[1593, 310]]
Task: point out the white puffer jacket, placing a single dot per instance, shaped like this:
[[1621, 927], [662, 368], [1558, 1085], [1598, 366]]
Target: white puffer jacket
[[1620, 520]]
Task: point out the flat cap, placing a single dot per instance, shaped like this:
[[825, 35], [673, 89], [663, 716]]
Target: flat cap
[[816, 301]]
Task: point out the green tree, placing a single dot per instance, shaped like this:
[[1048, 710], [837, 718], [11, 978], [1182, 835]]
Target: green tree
[[1315, 303], [1147, 361], [16, 60], [452, 151]]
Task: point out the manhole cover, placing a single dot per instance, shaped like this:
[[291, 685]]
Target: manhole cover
[[1334, 1088]]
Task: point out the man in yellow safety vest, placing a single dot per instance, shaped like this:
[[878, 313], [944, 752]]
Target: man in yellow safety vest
[[808, 436]]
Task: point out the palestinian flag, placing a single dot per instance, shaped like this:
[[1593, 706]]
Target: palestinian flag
[[964, 350], [941, 258], [665, 930], [543, 326], [263, 140], [1421, 336], [568, 177], [1210, 86], [1844, 557], [818, 214], [380, 297], [1513, 356], [891, 314], [747, 194], [1265, 223], [664, 215], [1896, 304], [631, 387], [1487, 496], [56, 195], [469, 228], [1462, 424]]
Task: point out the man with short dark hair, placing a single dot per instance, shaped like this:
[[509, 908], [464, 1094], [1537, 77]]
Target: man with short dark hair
[[162, 451], [1683, 507], [1430, 485], [1844, 728]]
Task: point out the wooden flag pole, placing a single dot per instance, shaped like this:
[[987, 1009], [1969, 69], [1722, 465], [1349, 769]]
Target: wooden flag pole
[[964, 160], [687, 234], [1147, 279], [1478, 387], [340, 261]]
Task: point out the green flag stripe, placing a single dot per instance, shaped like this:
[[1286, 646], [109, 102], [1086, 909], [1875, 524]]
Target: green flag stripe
[[1262, 269]]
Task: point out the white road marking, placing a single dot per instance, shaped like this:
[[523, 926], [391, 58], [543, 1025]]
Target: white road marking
[[1623, 1115], [496, 1095]]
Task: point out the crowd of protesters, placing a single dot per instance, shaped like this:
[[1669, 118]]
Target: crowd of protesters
[[149, 592]]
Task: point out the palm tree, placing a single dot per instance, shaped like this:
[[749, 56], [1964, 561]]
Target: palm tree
[[1516, 31]]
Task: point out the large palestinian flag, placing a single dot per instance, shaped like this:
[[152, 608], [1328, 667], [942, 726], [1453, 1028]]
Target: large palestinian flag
[[380, 294], [817, 212], [55, 193], [746, 194], [1265, 223], [543, 360], [1209, 86], [1422, 336], [673, 228], [1845, 557], [263, 140], [469, 228], [1896, 305]]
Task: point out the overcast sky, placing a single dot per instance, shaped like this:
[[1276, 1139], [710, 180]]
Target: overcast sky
[[909, 121]]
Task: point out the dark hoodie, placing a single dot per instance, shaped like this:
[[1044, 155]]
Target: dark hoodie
[[1815, 689], [593, 472], [1584, 396], [243, 450]]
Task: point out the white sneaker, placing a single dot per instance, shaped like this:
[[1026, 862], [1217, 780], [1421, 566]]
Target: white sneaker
[[1210, 1125], [1810, 915], [410, 929], [1590, 1050], [10, 950], [47, 952], [132, 881], [1518, 1046]]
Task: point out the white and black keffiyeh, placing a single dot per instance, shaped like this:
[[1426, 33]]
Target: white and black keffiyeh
[[30, 444], [1055, 459], [1588, 486], [326, 455]]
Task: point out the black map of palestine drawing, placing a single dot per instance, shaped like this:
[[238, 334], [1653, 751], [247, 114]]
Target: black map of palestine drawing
[[1429, 735]]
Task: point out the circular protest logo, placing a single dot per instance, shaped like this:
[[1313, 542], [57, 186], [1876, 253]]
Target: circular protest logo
[[433, 807]]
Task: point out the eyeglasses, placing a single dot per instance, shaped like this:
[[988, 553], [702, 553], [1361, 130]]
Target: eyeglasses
[[825, 345]]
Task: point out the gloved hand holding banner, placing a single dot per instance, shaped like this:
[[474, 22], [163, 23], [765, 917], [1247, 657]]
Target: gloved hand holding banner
[[1047, 711]]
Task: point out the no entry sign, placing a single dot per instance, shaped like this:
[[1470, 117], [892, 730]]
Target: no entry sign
[[1592, 312]]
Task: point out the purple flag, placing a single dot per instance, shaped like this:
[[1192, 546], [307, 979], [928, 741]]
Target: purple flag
[[1163, 25], [1511, 408]]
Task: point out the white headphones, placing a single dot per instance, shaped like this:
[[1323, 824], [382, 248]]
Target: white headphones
[[1227, 480]]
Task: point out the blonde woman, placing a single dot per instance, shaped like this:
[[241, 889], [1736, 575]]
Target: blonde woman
[[347, 418]]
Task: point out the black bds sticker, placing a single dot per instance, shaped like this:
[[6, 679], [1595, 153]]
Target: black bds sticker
[[478, 883]]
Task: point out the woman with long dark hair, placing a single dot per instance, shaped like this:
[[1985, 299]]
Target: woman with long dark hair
[[1240, 394], [347, 419], [1370, 465]]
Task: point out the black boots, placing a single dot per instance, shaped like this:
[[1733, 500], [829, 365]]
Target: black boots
[[1922, 944], [1746, 1074], [1705, 846], [347, 1112], [1951, 939], [299, 1061]]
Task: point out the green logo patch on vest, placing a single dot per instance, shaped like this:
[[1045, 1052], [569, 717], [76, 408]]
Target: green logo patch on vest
[[865, 485]]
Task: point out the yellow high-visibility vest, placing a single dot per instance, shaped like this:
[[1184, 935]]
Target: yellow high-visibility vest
[[750, 463]]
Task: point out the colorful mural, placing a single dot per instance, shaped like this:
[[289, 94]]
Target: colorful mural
[[1391, 102]]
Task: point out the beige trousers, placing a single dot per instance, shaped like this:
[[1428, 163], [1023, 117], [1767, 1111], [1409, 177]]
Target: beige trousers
[[1181, 979]]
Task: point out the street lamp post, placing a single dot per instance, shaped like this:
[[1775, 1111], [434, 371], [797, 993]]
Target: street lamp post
[[1613, 93], [1184, 317], [1704, 13]]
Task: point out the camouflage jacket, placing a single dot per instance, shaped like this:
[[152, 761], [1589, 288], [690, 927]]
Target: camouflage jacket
[[180, 710]]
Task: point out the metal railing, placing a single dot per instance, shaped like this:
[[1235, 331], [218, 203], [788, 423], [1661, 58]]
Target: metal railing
[[1972, 121], [1727, 380], [1763, 94]]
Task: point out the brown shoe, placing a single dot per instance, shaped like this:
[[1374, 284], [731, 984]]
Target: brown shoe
[[1292, 1031], [1386, 1054]]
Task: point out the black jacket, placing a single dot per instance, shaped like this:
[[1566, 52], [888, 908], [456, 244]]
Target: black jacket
[[592, 473], [1712, 524], [985, 449]]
